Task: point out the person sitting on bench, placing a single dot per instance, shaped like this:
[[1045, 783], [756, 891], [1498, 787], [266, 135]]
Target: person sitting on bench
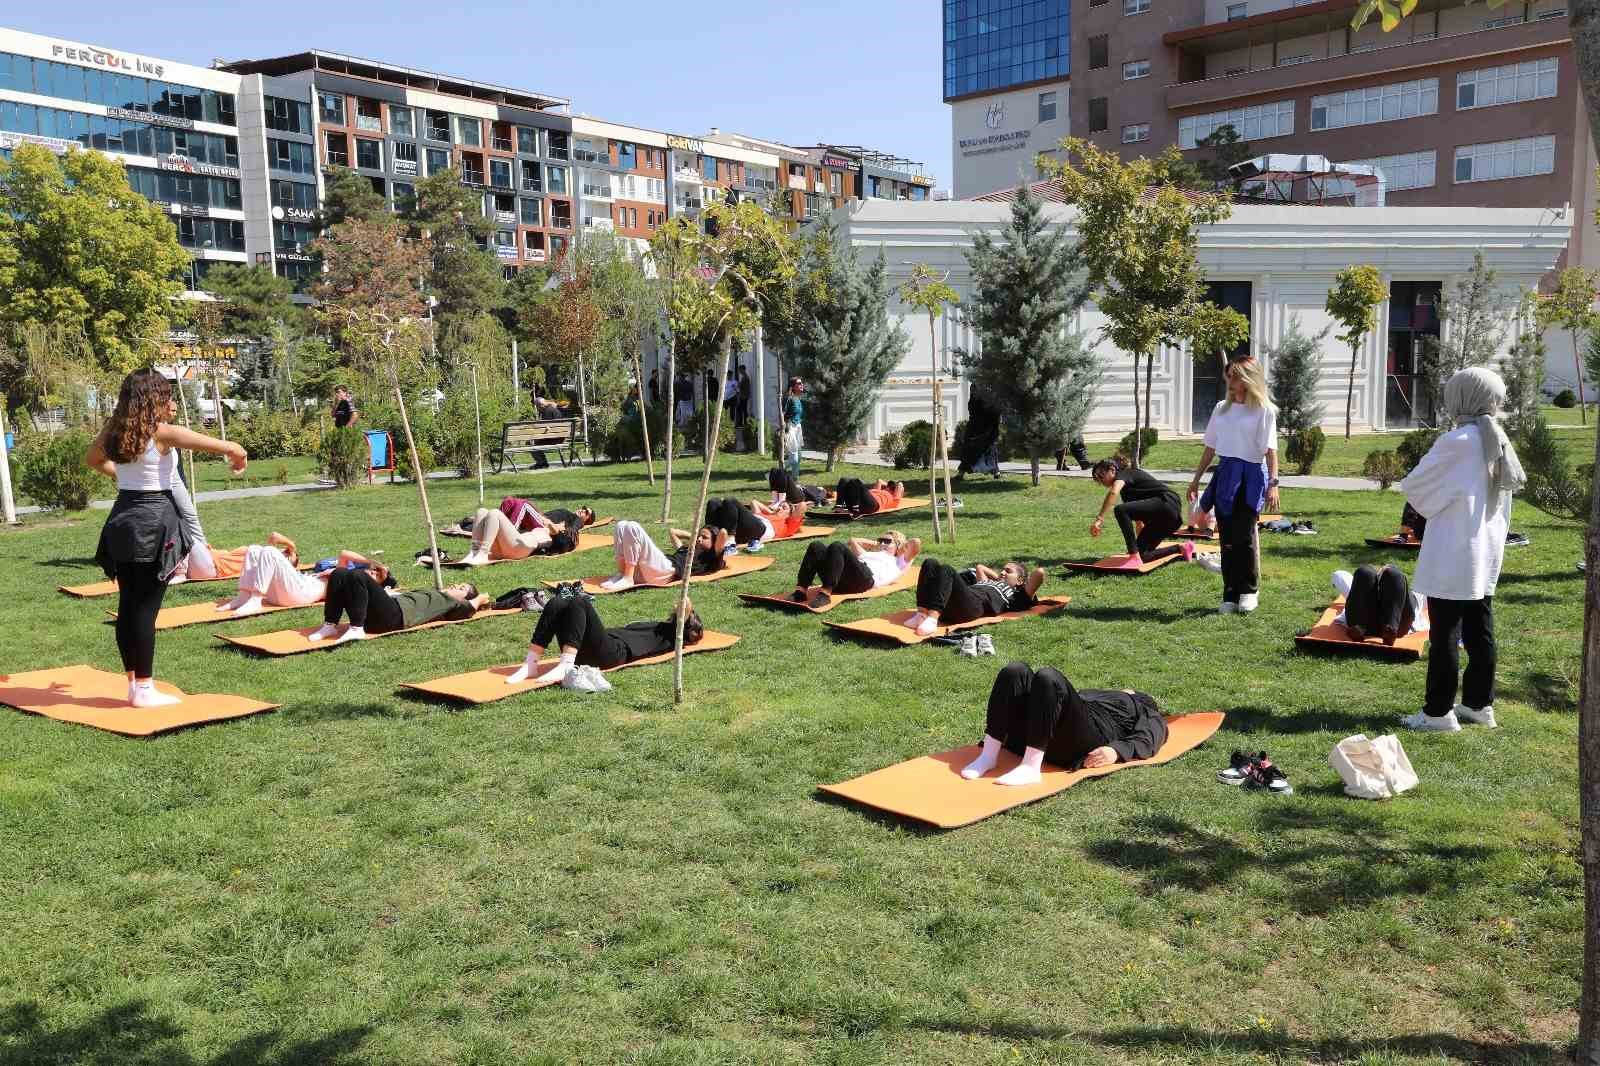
[[1143, 499], [269, 574], [1378, 602], [856, 565], [373, 608], [948, 596], [1040, 715], [756, 524], [575, 626], [498, 535], [784, 486], [857, 497], [640, 562]]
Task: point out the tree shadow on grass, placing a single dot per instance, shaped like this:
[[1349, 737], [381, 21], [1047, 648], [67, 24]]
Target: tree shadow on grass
[[74, 563], [1575, 576], [128, 1034], [885, 819], [1258, 720], [1544, 691], [1144, 615], [309, 712]]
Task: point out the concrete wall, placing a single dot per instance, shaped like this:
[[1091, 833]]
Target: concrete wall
[[994, 138]]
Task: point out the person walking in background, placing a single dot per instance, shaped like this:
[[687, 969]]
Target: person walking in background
[[1463, 488], [655, 387], [344, 409], [744, 396], [683, 396], [794, 410]]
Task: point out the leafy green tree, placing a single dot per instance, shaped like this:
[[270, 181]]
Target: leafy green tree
[[1295, 373], [53, 211], [1214, 332], [463, 275], [259, 313], [1025, 290], [675, 256], [1353, 304], [929, 292], [348, 195], [1571, 307], [1475, 323], [1522, 369], [627, 301], [1211, 171]]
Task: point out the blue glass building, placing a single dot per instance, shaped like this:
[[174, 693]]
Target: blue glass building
[[990, 45]]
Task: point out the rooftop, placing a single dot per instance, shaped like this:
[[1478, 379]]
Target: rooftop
[[393, 74]]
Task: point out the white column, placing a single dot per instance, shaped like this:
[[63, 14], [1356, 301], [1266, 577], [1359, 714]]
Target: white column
[[761, 392]]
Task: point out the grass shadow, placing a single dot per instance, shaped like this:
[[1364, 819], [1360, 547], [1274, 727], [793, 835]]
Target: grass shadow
[[1263, 720], [886, 819], [67, 564], [1545, 691], [1143, 615]]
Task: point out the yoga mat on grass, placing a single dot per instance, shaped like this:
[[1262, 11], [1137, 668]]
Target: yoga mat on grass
[[457, 531], [109, 588], [907, 580], [293, 641], [1333, 636], [738, 565], [99, 698], [906, 504], [487, 686], [932, 790], [205, 612], [1395, 541], [805, 533], [586, 541], [891, 627], [1112, 564], [1191, 533]]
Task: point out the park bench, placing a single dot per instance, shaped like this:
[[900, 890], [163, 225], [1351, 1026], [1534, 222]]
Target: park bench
[[564, 436]]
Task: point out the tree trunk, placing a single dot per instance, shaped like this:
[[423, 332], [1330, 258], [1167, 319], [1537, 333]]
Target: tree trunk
[[644, 418], [672, 427], [1034, 464], [1350, 393], [714, 420], [420, 474], [1138, 438], [833, 453], [1149, 378], [477, 419], [943, 446], [938, 413], [216, 390], [1577, 363], [188, 456]]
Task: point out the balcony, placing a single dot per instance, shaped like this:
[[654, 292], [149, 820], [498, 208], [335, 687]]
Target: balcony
[[338, 159], [472, 179], [439, 133], [599, 223], [688, 176], [370, 123], [594, 159], [595, 192], [687, 205], [502, 144], [560, 221], [532, 184]]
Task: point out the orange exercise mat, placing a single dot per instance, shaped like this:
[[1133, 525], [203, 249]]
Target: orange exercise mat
[[737, 565], [487, 686], [891, 627], [109, 588], [1191, 533], [1395, 541], [293, 641], [804, 533], [1112, 564], [586, 542], [932, 790], [99, 698], [205, 612], [906, 504], [1330, 635], [907, 580], [457, 531]]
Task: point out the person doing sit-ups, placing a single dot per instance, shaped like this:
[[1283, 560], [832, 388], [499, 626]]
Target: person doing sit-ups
[[857, 497], [575, 626], [948, 596], [1378, 602], [757, 523], [498, 535], [373, 609], [640, 562], [1142, 499], [856, 565], [1040, 715], [785, 486]]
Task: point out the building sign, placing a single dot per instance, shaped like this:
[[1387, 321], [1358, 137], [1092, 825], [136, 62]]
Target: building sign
[[83, 55], [838, 162], [293, 214], [921, 179], [296, 257], [405, 166], [506, 218], [183, 164], [1014, 141], [685, 144], [506, 251], [193, 211], [128, 115], [55, 144]]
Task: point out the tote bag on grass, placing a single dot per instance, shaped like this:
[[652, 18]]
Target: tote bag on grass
[[1373, 769]]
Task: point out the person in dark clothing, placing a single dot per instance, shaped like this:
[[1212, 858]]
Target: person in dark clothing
[[980, 451], [1378, 602], [361, 595], [743, 524], [1041, 716], [948, 596], [572, 623], [743, 412], [857, 496], [1079, 450], [344, 410], [1143, 499], [1412, 524], [683, 396], [655, 387], [785, 486]]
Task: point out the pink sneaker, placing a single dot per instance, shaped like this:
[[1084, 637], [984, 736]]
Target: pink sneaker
[[1187, 547], [1132, 562]]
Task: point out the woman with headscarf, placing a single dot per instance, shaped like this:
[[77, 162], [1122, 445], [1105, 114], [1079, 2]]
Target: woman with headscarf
[[1463, 487]]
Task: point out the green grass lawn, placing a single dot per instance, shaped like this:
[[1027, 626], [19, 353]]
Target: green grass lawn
[[364, 877]]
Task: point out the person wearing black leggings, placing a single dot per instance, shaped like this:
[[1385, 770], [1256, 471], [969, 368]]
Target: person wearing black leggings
[[740, 521], [1143, 499], [1379, 603], [1040, 715], [948, 596], [857, 496], [362, 595], [853, 566], [572, 623], [785, 486]]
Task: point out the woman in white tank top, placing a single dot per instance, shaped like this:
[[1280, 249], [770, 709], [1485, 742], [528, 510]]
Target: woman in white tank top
[[145, 538]]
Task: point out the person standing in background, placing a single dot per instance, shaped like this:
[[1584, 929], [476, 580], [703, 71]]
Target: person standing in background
[[743, 412], [344, 409], [655, 387], [683, 396], [794, 410]]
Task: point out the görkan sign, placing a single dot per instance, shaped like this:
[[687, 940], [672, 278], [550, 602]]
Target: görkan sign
[[83, 55], [183, 164], [128, 115], [405, 166], [995, 142]]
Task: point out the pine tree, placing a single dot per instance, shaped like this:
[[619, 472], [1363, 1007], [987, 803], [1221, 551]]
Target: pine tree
[[1475, 323], [1522, 369], [350, 195], [1556, 485], [844, 346], [1296, 373], [1026, 286]]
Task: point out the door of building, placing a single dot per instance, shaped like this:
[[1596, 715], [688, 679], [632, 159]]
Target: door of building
[[1413, 330], [1208, 387]]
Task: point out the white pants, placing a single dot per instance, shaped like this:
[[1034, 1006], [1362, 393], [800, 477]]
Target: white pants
[[199, 566], [633, 547], [268, 573]]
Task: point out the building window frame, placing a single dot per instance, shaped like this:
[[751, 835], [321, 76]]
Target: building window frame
[[1134, 69], [1524, 157], [1136, 133]]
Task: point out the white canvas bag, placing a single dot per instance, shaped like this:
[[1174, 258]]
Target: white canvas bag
[[1373, 769]]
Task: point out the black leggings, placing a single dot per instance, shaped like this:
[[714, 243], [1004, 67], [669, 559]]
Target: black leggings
[[369, 606], [781, 480], [834, 567], [1241, 560], [572, 622], [1161, 518], [1041, 710], [139, 590], [941, 588], [733, 516], [1379, 601], [853, 495], [1472, 621]]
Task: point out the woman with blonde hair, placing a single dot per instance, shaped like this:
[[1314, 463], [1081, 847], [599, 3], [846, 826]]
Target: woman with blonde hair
[[145, 539], [852, 566], [1243, 436]]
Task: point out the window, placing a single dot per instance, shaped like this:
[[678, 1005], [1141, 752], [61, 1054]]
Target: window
[[1135, 7], [332, 108], [835, 181], [292, 156], [532, 212], [1510, 84], [1377, 103], [561, 214], [469, 131], [558, 178], [500, 173], [405, 197], [557, 141], [1000, 44], [527, 140], [1238, 11], [405, 152], [535, 245], [1414, 170], [1553, 13], [294, 194], [402, 121], [1099, 51], [1098, 115], [1502, 21], [1139, 131], [1135, 69], [290, 116], [1294, 60], [501, 136], [1250, 123], [336, 149], [369, 154], [1505, 159], [438, 159], [532, 176], [295, 235], [1047, 113], [472, 170], [438, 126], [369, 115]]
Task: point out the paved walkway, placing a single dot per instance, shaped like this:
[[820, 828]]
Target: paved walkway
[[250, 493]]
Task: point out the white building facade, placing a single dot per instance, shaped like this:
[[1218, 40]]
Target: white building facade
[[995, 138]]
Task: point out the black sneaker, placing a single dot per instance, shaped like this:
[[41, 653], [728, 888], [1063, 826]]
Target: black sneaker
[[1517, 540], [1265, 774], [1238, 768]]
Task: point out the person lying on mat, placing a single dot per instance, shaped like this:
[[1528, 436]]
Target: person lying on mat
[[857, 497], [757, 523], [1040, 715], [575, 626], [852, 566], [640, 562], [372, 608], [497, 535], [784, 486], [1142, 499], [269, 574], [949, 596], [1378, 602]]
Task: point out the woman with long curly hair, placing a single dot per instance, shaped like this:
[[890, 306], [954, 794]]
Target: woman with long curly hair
[[145, 539]]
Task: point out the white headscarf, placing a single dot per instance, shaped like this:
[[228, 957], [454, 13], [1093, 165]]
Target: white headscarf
[[1475, 395]]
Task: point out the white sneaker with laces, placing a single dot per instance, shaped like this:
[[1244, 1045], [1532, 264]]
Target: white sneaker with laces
[[1423, 723], [969, 646], [577, 680], [985, 644], [1248, 601], [598, 680], [1209, 561], [753, 546], [1483, 716]]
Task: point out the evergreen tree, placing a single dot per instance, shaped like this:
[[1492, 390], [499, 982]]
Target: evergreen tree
[[1555, 485], [349, 195], [844, 347], [463, 275], [1296, 373], [1522, 369], [1026, 286], [1474, 322]]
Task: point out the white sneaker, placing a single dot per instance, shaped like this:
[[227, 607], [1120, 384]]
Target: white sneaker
[[1483, 717], [1210, 561], [577, 680], [969, 646], [598, 679], [1445, 723], [753, 546], [985, 644], [1248, 601], [1228, 607]]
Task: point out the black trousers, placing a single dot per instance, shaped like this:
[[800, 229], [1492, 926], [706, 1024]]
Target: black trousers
[[139, 594], [1472, 623], [852, 494], [940, 588], [1029, 709], [1080, 453], [834, 567], [1161, 517], [733, 516], [1241, 561], [354, 593], [572, 622], [1379, 600]]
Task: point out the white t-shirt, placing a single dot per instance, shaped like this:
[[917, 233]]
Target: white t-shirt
[[885, 567], [1238, 431]]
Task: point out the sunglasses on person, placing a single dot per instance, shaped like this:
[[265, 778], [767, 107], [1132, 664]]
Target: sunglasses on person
[[887, 542]]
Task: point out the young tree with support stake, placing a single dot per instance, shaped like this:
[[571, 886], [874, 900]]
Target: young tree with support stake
[[931, 293], [1571, 307], [1353, 304], [674, 255]]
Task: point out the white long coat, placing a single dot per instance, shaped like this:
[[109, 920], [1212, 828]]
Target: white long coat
[[1465, 541]]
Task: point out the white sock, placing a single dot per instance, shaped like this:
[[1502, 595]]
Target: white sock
[[251, 604], [916, 619], [616, 582], [530, 664], [476, 557], [324, 631], [926, 627], [145, 694], [353, 633], [985, 760], [559, 672], [1025, 772], [1343, 582], [236, 603]]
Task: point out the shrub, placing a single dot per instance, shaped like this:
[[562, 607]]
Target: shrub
[[1304, 448], [891, 444], [402, 456], [1565, 398], [1148, 440], [914, 446], [51, 472], [603, 422], [344, 455], [694, 430], [628, 440], [274, 435], [1413, 446], [1383, 467]]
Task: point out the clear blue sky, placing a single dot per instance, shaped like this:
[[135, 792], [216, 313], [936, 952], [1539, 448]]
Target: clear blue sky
[[846, 71]]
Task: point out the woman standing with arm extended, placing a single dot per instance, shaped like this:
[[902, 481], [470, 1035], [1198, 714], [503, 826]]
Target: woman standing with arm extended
[[144, 540], [1243, 434]]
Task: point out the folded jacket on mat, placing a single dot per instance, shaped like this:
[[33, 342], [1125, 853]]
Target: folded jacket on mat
[[87, 696]]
